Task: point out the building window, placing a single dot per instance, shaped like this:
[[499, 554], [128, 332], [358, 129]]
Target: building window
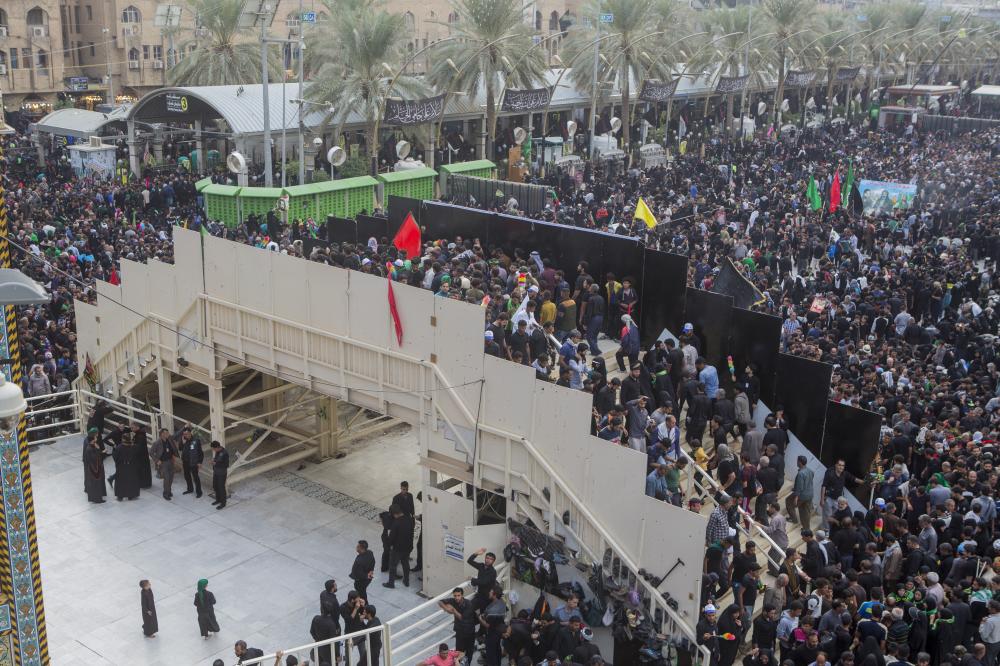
[[3, 17], [157, 52], [42, 59], [76, 18], [133, 55], [13, 58], [410, 21], [538, 20], [36, 16], [26, 58], [90, 13], [131, 15], [145, 52], [554, 20], [93, 51]]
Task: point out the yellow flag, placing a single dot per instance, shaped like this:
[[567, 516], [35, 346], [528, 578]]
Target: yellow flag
[[643, 213]]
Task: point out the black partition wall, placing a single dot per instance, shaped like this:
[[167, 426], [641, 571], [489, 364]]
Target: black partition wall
[[400, 206], [802, 387], [754, 338], [341, 230], [711, 316], [661, 302], [851, 434]]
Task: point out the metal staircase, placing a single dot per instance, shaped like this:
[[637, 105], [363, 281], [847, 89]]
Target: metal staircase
[[436, 381]]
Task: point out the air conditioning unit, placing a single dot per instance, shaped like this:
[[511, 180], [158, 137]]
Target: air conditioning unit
[[3, 31], [133, 64], [157, 64], [95, 142], [39, 31], [3, 70]]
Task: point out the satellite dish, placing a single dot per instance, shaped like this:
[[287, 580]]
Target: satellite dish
[[571, 128], [616, 124], [811, 103], [520, 135], [336, 156], [784, 105], [402, 149], [761, 108], [236, 162]]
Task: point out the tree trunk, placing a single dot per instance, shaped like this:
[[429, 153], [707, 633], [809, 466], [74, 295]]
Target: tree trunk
[[626, 113], [779, 91], [830, 80], [491, 119]]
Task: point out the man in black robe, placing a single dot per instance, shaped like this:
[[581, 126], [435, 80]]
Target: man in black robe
[[93, 464], [126, 474], [140, 444]]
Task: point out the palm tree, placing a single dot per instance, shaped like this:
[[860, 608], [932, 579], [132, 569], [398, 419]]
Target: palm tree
[[785, 18], [493, 48], [731, 31], [356, 65], [878, 24], [226, 54], [639, 27], [833, 48]]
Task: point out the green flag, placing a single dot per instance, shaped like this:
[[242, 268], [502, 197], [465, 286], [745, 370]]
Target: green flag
[[845, 195], [813, 195]]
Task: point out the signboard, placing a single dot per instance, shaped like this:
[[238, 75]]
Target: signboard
[[519, 101], [454, 547], [78, 83], [607, 18], [883, 197], [732, 84], [413, 112], [176, 103], [796, 79], [847, 73], [97, 163], [658, 91], [308, 17]]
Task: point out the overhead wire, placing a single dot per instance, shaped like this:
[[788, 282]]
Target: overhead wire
[[235, 359]]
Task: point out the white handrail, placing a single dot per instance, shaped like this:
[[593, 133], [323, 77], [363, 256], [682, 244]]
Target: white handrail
[[387, 629]]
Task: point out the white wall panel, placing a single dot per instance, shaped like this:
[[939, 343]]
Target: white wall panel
[[326, 290], [444, 514], [416, 307], [459, 347], [253, 269], [113, 316], [671, 533], [288, 277], [164, 296], [557, 419], [188, 260], [87, 333], [509, 395], [368, 310], [220, 271]]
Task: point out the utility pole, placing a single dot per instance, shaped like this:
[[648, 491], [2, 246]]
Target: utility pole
[[268, 167], [111, 81], [301, 146], [593, 90]]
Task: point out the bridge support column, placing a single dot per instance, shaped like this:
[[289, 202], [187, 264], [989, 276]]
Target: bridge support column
[[216, 413], [328, 421], [164, 384]]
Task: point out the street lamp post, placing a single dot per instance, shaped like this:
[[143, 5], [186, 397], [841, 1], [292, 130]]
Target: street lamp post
[[20, 576]]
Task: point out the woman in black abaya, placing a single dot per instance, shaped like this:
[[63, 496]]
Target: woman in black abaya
[[149, 623], [140, 451], [93, 469], [126, 472]]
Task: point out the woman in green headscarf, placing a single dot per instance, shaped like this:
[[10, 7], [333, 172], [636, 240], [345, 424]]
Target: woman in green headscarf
[[204, 601]]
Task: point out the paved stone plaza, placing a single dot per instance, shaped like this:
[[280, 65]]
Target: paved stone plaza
[[266, 555]]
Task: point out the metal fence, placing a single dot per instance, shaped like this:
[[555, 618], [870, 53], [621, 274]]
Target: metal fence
[[486, 191], [954, 124]]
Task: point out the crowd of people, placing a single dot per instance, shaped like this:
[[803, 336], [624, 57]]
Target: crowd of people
[[903, 304]]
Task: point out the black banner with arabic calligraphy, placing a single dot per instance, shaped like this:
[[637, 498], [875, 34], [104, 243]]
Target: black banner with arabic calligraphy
[[847, 73], [797, 79], [413, 111], [732, 84], [658, 91], [520, 101]]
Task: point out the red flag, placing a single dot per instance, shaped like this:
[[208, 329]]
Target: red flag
[[835, 192], [395, 315], [408, 237]]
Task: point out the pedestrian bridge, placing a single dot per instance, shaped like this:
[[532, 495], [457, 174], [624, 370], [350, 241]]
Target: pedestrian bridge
[[227, 315]]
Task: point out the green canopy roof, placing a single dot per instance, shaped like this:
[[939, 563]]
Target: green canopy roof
[[408, 174], [474, 165], [222, 190], [261, 192], [202, 184]]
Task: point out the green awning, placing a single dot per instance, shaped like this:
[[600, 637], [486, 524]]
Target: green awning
[[223, 190], [261, 193], [202, 184], [462, 167], [408, 174]]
